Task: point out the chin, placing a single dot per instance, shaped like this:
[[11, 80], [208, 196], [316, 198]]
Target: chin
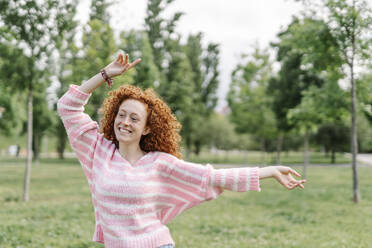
[[126, 140]]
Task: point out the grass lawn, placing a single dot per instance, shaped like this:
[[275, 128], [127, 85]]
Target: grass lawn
[[60, 213]]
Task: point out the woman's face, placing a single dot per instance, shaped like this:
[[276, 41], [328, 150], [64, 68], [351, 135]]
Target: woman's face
[[130, 122]]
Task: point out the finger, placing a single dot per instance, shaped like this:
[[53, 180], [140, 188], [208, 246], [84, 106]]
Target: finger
[[294, 172], [118, 59], [294, 182], [121, 58], [135, 63], [126, 59]]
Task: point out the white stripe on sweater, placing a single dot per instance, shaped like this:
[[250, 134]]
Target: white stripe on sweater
[[248, 185], [127, 217], [62, 106], [139, 184], [76, 100], [141, 236], [178, 169], [138, 196], [235, 183], [132, 207], [127, 228]]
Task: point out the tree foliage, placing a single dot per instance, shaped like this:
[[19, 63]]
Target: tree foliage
[[247, 98]]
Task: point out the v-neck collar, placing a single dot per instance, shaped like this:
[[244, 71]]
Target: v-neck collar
[[126, 161]]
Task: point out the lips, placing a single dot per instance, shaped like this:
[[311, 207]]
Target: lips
[[124, 130]]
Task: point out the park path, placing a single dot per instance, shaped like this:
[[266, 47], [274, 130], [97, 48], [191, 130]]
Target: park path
[[365, 158]]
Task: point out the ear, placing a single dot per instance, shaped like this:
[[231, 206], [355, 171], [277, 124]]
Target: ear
[[146, 131]]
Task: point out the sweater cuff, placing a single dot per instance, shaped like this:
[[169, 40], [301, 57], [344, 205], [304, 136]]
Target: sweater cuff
[[73, 89], [254, 181]]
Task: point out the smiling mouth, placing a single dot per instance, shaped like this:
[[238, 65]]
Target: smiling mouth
[[124, 130]]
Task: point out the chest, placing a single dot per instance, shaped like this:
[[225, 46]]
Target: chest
[[118, 178]]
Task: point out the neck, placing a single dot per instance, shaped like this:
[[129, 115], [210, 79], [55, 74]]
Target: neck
[[131, 152]]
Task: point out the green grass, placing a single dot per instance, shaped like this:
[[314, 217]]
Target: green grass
[[60, 213]]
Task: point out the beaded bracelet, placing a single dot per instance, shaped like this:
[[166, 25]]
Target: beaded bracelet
[[106, 78]]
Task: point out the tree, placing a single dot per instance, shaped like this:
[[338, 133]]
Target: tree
[[160, 30], [304, 59], [364, 94], [11, 100], [99, 10], [176, 86], [247, 98], [204, 64], [36, 27], [178, 89], [334, 137], [306, 119], [351, 25], [42, 120], [188, 72], [320, 107], [67, 71], [313, 40]]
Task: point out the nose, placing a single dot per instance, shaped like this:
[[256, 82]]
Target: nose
[[126, 121]]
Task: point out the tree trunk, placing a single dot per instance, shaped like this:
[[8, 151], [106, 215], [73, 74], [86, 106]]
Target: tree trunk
[[61, 140], [279, 146], [306, 153], [36, 147], [263, 151], [354, 137], [333, 158], [26, 185], [197, 147]]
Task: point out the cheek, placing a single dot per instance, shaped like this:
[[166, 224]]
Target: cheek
[[140, 127]]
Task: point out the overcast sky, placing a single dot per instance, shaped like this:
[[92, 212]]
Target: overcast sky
[[234, 24]]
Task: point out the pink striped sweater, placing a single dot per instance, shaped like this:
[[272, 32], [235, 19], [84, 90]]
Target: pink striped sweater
[[133, 202]]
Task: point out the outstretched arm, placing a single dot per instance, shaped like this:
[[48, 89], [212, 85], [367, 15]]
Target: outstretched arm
[[115, 68], [283, 175]]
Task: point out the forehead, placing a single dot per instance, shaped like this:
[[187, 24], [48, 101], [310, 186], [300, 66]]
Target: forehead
[[134, 106]]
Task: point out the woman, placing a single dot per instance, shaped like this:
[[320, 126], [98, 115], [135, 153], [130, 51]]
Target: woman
[[137, 180]]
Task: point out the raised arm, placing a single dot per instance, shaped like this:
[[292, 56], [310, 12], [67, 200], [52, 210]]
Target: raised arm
[[82, 131], [116, 68]]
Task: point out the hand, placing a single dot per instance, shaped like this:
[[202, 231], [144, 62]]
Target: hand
[[119, 66], [283, 175]]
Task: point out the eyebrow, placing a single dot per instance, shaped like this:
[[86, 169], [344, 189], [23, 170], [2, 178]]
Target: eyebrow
[[130, 113]]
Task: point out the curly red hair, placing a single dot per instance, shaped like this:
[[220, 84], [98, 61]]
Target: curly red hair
[[164, 135]]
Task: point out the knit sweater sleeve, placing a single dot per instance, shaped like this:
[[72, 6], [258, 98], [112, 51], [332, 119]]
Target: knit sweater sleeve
[[198, 183], [81, 130]]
